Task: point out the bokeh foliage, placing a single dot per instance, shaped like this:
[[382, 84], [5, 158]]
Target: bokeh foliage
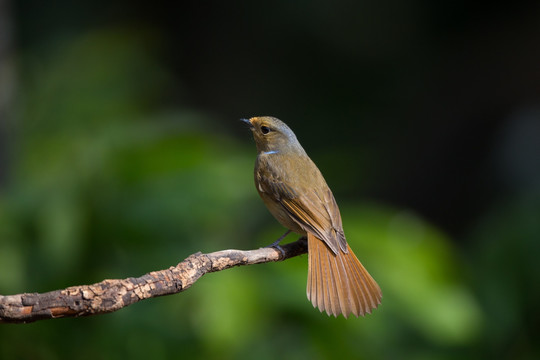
[[107, 182]]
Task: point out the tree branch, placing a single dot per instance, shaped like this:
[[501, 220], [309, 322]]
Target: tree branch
[[115, 294]]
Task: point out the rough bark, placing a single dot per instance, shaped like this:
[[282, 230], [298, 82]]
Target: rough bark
[[114, 294]]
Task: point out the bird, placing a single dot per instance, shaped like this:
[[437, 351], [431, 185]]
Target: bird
[[296, 194]]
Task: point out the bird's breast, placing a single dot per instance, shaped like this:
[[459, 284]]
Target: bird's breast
[[275, 180]]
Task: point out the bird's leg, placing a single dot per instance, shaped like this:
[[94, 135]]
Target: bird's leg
[[276, 243]]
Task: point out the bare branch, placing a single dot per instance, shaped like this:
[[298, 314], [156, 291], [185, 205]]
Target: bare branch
[[112, 295]]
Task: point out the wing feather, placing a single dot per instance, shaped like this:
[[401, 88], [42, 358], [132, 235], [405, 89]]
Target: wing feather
[[313, 208]]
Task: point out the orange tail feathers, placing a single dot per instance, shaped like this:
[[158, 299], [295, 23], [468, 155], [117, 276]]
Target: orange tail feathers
[[339, 284]]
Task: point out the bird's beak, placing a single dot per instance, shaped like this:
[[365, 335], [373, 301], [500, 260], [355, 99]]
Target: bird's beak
[[248, 122]]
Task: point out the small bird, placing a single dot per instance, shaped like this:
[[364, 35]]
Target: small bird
[[295, 192]]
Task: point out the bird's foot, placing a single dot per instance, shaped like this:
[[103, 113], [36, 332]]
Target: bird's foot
[[276, 243]]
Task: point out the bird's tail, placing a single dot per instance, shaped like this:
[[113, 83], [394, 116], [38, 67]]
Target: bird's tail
[[339, 284]]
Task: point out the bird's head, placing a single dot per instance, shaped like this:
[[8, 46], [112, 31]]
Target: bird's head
[[272, 135]]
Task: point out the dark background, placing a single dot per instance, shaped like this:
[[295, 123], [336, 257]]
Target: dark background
[[121, 153]]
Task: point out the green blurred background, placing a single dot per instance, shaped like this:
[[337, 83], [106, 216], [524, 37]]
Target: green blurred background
[[121, 153]]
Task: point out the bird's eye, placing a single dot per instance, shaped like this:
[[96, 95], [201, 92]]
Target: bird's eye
[[265, 130]]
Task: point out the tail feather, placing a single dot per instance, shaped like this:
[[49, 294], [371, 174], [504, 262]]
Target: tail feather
[[326, 298], [332, 295], [339, 284], [365, 296], [356, 297], [339, 278], [319, 279], [363, 286]]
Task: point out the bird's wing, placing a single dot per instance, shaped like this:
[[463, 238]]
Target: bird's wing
[[314, 210]]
